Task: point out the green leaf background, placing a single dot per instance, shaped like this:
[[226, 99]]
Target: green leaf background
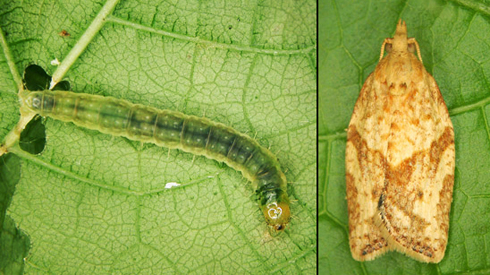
[[91, 203], [454, 38]]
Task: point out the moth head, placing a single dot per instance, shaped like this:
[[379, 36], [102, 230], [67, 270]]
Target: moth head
[[400, 40], [277, 215]]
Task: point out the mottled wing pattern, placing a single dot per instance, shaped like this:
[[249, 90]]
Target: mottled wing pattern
[[415, 203], [365, 179], [400, 158]]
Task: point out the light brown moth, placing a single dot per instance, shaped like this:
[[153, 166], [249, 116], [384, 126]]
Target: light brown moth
[[400, 159]]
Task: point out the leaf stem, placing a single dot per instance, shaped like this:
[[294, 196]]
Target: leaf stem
[[14, 135], [25, 115], [83, 42], [10, 61], [201, 41]]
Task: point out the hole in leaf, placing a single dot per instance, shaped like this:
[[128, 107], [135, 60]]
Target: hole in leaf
[[62, 86], [33, 138], [36, 79]]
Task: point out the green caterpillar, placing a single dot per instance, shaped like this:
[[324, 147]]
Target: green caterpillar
[[172, 129]]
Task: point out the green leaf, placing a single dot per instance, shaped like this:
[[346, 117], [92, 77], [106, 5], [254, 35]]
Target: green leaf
[[454, 41], [14, 247], [14, 244], [92, 203]]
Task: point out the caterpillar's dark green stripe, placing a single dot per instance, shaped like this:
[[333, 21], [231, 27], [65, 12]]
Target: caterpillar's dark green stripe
[[174, 130]]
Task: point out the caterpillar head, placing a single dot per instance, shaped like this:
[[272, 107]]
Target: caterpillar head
[[34, 101], [277, 215]]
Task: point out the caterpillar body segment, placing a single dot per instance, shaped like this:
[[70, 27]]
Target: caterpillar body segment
[[173, 129]]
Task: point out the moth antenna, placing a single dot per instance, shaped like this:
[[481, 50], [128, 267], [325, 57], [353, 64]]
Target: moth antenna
[[413, 41], [255, 135], [193, 159], [387, 41]]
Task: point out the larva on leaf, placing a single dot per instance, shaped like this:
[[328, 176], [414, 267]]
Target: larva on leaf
[[170, 129], [400, 159]]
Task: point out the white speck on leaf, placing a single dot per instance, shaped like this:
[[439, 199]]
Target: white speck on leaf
[[55, 62], [171, 184]]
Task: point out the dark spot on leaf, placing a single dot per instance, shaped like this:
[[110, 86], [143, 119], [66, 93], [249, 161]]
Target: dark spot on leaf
[[33, 138], [36, 79], [62, 86], [64, 33]]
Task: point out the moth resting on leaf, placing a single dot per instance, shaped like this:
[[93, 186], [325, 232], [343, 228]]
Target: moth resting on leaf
[[400, 158], [167, 128]]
